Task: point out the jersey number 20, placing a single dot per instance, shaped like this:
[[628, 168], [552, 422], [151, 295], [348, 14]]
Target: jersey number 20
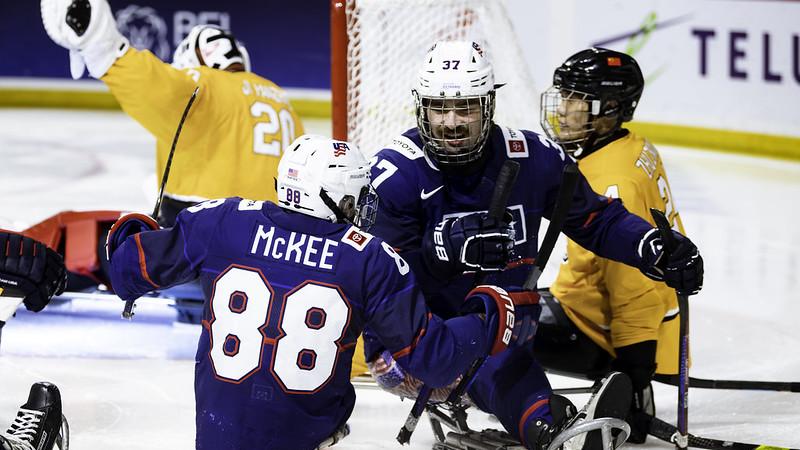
[[265, 138], [313, 319]]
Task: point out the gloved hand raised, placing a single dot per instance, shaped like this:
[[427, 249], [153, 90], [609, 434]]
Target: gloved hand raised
[[88, 30], [511, 317], [126, 226], [31, 270], [681, 268], [474, 241]]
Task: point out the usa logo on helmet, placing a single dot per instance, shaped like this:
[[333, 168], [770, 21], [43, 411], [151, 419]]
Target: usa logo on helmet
[[339, 148]]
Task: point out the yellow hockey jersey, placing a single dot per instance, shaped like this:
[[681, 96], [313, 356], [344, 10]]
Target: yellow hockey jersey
[[614, 304], [234, 134]]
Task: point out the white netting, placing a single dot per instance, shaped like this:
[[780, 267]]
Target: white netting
[[389, 38]]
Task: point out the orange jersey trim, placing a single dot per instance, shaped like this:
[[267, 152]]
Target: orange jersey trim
[[527, 413], [143, 261]]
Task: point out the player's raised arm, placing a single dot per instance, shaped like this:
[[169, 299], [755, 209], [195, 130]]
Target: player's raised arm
[[147, 88]]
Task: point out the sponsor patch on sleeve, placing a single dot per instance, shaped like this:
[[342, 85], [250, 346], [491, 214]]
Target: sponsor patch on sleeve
[[356, 238], [516, 145], [406, 147]]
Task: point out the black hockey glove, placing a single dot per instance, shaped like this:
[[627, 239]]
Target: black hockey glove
[[475, 241], [681, 269], [511, 317], [126, 226], [31, 270], [638, 361]]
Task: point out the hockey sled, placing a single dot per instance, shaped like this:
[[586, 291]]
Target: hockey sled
[[453, 417]]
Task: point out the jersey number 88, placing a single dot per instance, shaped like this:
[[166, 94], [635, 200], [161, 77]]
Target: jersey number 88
[[312, 322]]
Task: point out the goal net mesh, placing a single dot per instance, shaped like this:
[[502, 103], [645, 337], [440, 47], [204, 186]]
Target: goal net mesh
[[387, 40]]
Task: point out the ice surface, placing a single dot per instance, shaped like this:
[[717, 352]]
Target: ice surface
[[128, 385]]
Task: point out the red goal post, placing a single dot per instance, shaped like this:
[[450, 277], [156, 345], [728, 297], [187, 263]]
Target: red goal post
[[377, 47]]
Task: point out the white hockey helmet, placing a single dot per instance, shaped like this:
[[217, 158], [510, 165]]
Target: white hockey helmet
[[328, 179], [218, 49], [456, 80]]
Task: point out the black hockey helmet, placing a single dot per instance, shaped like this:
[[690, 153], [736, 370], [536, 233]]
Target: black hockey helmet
[[606, 75], [609, 83]]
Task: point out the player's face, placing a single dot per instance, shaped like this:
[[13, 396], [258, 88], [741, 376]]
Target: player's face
[[573, 116], [455, 122]]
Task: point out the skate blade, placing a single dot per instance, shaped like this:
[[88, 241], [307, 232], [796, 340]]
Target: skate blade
[[62, 440]]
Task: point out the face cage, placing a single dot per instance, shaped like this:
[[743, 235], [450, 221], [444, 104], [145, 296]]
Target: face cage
[[437, 147], [551, 100], [366, 208]]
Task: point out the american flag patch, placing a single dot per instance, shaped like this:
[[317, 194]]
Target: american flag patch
[[293, 173], [339, 148]]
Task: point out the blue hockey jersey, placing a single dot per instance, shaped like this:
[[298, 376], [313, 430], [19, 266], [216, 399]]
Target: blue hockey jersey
[[286, 297], [415, 195]]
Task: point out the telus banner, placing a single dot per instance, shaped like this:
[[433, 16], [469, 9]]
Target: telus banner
[[729, 64]]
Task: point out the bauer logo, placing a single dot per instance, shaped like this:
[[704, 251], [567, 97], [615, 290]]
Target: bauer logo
[[145, 29]]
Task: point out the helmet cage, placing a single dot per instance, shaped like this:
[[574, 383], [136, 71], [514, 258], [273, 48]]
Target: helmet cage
[[560, 117], [361, 213], [459, 135]]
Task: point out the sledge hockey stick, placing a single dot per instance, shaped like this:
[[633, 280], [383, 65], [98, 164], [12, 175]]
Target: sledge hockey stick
[[569, 180], [746, 385], [8, 306], [127, 313], [666, 432], [497, 208], [680, 438]]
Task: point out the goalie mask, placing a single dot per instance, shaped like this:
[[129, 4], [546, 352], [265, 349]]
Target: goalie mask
[[328, 179], [217, 49], [593, 93], [454, 101]]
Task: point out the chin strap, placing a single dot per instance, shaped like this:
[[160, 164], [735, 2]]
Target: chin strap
[[340, 217]]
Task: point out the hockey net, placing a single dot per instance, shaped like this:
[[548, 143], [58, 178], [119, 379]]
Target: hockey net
[[377, 47]]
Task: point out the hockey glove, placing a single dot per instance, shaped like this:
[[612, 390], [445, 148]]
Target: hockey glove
[[475, 241], [88, 30], [394, 379], [31, 270], [126, 226], [681, 269], [511, 317]]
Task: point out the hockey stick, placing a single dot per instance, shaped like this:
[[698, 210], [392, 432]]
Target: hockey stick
[[569, 180], [745, 385], [8, 306], [680, 438], [667, 432], [497, 208], [127, 313]]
